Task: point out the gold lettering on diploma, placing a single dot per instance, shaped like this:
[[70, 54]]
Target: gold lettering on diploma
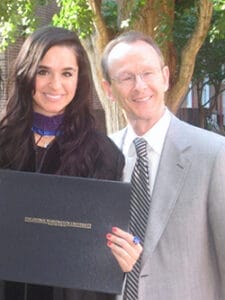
[[57, 223]]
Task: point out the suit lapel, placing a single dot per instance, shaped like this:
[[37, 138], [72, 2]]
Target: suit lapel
[[173, 168]]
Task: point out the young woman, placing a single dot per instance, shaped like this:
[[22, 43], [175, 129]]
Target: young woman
[[48, 128]]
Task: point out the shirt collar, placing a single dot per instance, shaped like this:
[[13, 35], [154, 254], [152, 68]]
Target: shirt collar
[[154, 136]]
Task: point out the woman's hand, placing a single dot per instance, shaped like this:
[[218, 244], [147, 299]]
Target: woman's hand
[[124, 248]]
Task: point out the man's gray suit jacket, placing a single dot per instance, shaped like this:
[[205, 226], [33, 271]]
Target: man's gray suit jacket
[[184, 249]]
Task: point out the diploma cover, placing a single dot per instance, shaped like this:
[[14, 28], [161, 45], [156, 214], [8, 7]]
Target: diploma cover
[[53, 230]]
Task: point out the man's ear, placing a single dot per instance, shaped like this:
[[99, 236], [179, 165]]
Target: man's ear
[[166, 76], [107, 89]]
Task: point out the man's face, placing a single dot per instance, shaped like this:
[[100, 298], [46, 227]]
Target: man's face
[[138, 81]]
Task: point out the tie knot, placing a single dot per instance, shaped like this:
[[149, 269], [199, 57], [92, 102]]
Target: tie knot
[[141, 146]]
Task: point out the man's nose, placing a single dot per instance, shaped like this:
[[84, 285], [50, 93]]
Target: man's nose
[[139, 82]]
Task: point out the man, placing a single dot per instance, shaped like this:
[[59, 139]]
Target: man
[[184, 245]]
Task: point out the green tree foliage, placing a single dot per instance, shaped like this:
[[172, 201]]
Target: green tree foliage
[[17, 18], [218, 28], [75, 15]]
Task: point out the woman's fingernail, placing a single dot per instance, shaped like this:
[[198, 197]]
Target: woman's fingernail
[[114, 229], [109, 243], [108, 236]]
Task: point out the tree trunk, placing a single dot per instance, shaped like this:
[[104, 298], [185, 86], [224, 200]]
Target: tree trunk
[[188, 56], [94, 47]]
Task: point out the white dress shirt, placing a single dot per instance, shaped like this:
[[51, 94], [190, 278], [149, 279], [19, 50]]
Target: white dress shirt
[[155, 138]]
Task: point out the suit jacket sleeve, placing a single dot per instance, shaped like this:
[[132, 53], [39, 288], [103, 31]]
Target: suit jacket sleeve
[[216, 210]]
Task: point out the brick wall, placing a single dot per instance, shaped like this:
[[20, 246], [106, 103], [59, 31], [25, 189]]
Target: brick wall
[[45, 12]]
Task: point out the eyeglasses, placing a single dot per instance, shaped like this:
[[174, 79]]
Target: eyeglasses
[[128, 80]]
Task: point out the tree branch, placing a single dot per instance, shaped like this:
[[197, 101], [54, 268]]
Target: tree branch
[[189, 53]]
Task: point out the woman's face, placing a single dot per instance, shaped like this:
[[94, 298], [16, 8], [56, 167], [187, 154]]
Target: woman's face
[[55, 81]]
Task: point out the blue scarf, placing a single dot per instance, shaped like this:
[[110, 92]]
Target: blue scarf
[[44, 125]]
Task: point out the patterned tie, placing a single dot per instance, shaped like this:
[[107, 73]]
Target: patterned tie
[[139, 209]]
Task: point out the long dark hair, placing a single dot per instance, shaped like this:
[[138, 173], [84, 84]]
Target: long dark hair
[[78, 125]]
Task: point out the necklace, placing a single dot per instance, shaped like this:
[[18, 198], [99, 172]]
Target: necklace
[[43, 140]]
